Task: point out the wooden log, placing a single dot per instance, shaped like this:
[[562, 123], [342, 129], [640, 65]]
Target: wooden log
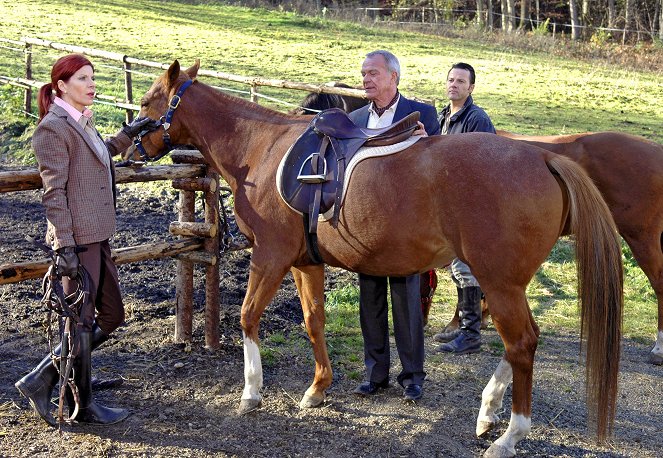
[[195, 184], [14, 273], [158, 172], [184, 280], [19, 180], [187, 156], [212, 271], [198, 257], [29, 179], [193, 229]]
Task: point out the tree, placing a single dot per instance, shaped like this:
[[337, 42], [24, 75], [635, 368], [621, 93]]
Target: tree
[[575, 24], [612, 14], [524, 13], [511, 11], [481, 19]]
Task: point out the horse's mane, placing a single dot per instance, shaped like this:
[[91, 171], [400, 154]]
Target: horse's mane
[[255, 109]]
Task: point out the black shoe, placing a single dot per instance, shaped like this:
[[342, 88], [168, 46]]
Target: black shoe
[[370, 388], [413, 392], [461, 345], [446, 336]]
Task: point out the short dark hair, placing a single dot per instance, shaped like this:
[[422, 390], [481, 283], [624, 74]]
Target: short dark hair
[[464, 66]]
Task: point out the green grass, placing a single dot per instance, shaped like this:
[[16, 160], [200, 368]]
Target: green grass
[[529, 92]]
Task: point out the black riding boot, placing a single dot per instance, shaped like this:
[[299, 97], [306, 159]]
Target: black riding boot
[[37, 386], [469, 339], [451, 335], [89, 411]]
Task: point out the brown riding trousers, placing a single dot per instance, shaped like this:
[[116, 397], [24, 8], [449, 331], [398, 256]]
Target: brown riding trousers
[[105, 296]]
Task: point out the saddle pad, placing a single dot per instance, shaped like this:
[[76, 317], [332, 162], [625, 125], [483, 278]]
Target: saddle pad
[[362, 153]]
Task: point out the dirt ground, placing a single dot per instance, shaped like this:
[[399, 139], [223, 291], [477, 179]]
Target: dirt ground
[[183, 398]]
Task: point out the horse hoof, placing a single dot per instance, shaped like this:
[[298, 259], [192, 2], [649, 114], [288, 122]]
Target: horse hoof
[[655, 359], [484, 427], [497, 451], [308, 402], [248, 405]]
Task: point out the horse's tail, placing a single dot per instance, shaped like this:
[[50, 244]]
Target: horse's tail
[[600, 290]]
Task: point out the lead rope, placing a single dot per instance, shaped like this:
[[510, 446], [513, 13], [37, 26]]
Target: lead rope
[[65, 310]]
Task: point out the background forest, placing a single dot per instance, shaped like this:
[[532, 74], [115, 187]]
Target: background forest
[[597, 20]]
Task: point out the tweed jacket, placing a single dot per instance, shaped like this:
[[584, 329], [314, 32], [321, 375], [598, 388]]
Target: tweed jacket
[[428, 114], [78, 197]]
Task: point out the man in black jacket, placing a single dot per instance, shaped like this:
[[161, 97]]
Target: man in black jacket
[[381, 75], [460, 116]]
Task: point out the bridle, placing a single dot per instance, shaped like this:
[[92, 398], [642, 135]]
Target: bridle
[[163, 122]]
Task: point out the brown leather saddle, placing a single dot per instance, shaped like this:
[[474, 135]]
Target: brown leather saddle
[[312, 173]]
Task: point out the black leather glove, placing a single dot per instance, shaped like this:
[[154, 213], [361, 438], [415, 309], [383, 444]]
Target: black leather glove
[[139, 125], [66, 262]]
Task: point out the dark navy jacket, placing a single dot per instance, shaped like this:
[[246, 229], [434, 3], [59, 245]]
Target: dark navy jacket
[[428, 114], [470, 118]]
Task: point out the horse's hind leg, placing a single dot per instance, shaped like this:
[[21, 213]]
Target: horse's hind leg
[[310, 284], [647, 248], [515, 325], [263, 284]]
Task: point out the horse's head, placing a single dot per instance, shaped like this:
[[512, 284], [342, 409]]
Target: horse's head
[[160, 102]]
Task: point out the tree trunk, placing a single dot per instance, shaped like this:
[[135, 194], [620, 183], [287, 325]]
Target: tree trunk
[[481, 19], [575, 29], [512, 14], [628, 18], [505, 12], [660, 19], [585, 20], [524, 13], [490, 14], [612, 14]]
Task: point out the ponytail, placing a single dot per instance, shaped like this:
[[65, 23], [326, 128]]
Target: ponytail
[[45, 99]]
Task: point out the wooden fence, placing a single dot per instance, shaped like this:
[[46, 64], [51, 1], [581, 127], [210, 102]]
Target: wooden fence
[[27, 82], [198, 241]]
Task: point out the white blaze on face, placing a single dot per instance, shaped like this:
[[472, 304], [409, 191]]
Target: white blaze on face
[[252, 370]]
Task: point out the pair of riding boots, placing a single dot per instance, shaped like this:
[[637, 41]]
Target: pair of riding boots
[[466, 339], [38, 385]]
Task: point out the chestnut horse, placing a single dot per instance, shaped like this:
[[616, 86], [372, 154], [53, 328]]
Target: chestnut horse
[[628, 170], [525, 196]]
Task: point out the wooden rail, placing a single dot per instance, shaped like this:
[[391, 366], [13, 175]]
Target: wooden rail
[[28, 83], [198, 242]]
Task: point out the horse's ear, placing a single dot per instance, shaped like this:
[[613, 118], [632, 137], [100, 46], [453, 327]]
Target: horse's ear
[[173, 73], [193, 70]]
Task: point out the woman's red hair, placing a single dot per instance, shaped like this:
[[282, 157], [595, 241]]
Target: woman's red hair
[[63, 69]]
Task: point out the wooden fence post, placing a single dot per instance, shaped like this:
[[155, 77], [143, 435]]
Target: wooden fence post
[[128, 91], [254, 93], [184, 282], [212, 195], [27, 100]]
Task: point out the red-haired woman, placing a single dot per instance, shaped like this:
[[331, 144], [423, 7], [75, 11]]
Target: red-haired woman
[[77, 172]]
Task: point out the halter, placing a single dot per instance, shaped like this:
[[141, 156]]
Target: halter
[[164, 122]]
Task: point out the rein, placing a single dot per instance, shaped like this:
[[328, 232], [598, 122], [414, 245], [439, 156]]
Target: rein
[[164, 122], [67, 308]]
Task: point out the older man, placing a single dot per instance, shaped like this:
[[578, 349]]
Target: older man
[[381, 75]]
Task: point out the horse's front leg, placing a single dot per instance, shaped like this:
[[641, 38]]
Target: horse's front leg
[[519, 333], [263, 284], [310, 281]]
